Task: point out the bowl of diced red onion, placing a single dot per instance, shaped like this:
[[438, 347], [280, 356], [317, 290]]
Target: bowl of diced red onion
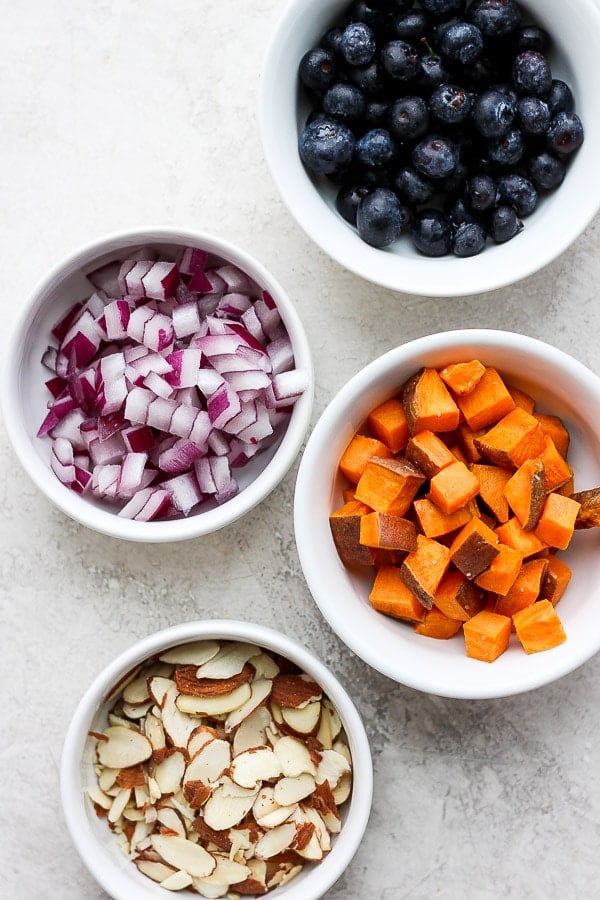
[[158, 385]]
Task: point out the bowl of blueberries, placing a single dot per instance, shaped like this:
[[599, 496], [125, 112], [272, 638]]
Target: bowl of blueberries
[[440, 147]]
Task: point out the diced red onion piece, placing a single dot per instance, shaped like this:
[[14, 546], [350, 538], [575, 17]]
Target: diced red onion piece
[[233, 304], [189, 396], [105, 478], [83, 480], [201, 429], [281, 354], [138, 438], [161, 281], [218, 443], [185, 365], [204, 475], [158, 332], [192, 260], [186, 319], [147, 504], [289, 385], [106, 279], [258, 430], [134, 286], [137, 323], [241, 452], [69, 428], [265, 295], [82, 339], [201, 283], [179, 457], [56, 386], [131, 473], [116, 319], [253, 324], [62, 326], [106, 452], [253, 380], [209, 381], [110, 424], [158, 385], [160, 413], [237, 281], [185, 492], [182, 420], [268, 317], [61, 460], [96, 303], [223, 405], [133, 352]]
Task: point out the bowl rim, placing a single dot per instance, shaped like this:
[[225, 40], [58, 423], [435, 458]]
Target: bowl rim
[[308, 541], [196, 525], [399, 273], [333, 865]]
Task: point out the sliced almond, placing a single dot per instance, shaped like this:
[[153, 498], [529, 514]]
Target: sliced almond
[[154, 731], [321, 829], [196, 653], [98, 797], [178, 881], [157, 871], [136, 710], [196, 793], [264, 666], [137, 690], [267, 812], [336, 722], [276, 712], [284, 875], [331, 768], [227, 871], [186, 681], [158, 687], [294, 757], [341, 747], [303, 719], [324, 733], [171, 819], [229, 661], [253, 766], [323, 800], [259, 691], [343, 789], [123, 748], [220, 839], [199, 737], [118, 805], [210, 891], [210, 762], [291, 790], [214, 706], [276, 840], [228, 805], [183, 854], [177, 725], [312, 849], [256, 883], [169, 773], [252, 731], [107, 777], [294, 691], [134, 776]]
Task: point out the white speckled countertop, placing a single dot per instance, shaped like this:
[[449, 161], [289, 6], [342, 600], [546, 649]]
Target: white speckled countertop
[[118, 113]]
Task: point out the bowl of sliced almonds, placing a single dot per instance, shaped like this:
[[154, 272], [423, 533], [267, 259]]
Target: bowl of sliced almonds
[[216, 759]]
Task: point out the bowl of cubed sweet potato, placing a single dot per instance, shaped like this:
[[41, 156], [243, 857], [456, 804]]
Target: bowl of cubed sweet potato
[[446, 509]]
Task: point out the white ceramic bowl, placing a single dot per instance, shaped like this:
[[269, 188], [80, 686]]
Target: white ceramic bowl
[[91, 836], [560, 385], [24, 395], [558, 220]]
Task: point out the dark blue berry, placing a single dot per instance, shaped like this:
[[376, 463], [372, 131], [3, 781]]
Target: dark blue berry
[[332, 40], [432, 233], [318, 69], [458, 212], [347, 200], [454, 183], [462, 43], [344, 101], [507, 150], [381, 218], [443, 9], [469, 239], [565, 133], [358, 44], [547, 172], [480, 193], [560, 97], [409, 118], [376, 113], [363, 11], [400, 60], [517, 191], [504, 224], [368, 79], [412, 186], [326, 146], [412, 26], [493, 114], [532, 37], [531, 73], [495, 18], [450, 104], [435, 156], [533, 115], [432, 71], [376, 148], [506, 88]]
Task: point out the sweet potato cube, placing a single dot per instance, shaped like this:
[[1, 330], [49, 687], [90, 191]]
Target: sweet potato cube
[[466, 437], [457, 597], [525, 492], [554, 427], [438, 625], [357, 454], [435, 523], [387, 532], [557, 471], [473, 548], [391, 596], [557, 521], [515, 438], [453, 487], [345, 530], [488, 402], [389, 485], [492, 481], [502, 572], [388, 423], [424, 568], [526, 588], [487, 635], [428, 453], [462, 377], [513, 534], [521, 398], [538, 627], [428, 404], [589, 508], [556, 580]]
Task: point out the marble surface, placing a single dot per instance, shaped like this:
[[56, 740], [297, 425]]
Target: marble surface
[[118, 113]]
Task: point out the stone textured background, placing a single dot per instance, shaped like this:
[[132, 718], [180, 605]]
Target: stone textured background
[[122, 113]]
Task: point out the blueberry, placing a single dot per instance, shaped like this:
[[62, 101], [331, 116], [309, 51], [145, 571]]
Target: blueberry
[[495, 18], [326, 146], [376, 113], [332, 40], [454, 183], [565, 133], [517, 191], [432, 71], [547, 172], [368, 79], [409, 118], [318, 69], [504, 224], [450, 104], [347, 200], [432, 233], [507, 150], [412, 26], [364, 11], [506, 88], [479, 75], [560, 97], [532, 37], [443, 9], [435, 156], [344, 101], [469, 239], [358, 44], [400, 60], [376, 148], [462, 43], [531, 73], [493, 114], [381, 218], [480, 193], [458, 212], [412, 186], [533, 115]]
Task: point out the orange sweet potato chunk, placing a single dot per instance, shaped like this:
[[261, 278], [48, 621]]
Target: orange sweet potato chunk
[[391, 596], [486, 635], [492, 481], [502, 572], [457, 597], [513, 534], [488, 402], [526, 588], [474, 548], [388, 423], [387, 532], [357, 454], [424, 568], [554, 427], [437, 625], [428, 453], [539, 627], [557, 471], [434, 523], [557, 521], [389, 485], [525, 492], [453, 486], [462, 377], [345, 530], [557, 577], [515, 438], [428, 404]]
